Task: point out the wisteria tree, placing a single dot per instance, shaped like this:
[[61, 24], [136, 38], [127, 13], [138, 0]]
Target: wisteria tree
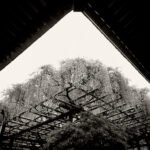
[[82, 74]]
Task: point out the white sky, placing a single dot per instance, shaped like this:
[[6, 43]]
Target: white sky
[[73, 36]]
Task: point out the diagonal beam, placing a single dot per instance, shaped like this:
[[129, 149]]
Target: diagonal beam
[[77, 110]]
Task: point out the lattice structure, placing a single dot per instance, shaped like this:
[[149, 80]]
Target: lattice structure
[[29, 129]]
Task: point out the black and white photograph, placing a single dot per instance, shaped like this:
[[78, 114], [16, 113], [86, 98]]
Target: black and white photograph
[[74, 75]]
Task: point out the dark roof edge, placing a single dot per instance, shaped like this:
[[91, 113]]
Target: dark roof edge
[[121, 47], [39, 32]]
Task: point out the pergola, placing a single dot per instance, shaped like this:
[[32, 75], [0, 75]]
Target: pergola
[[29, 129]]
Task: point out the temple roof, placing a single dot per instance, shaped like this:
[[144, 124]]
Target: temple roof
[[122, 22]]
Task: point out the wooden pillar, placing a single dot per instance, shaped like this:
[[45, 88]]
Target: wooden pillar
[[2, 130], [147, 142], [138, 144], [11, 143]]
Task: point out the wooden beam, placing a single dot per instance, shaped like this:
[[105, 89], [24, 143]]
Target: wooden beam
[[48, 121]]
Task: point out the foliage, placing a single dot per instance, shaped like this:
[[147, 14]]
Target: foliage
[[91, 132], [86, 75], [46, 83], [119, 85]]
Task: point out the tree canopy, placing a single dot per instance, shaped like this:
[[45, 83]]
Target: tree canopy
[[87, 75], [91, 132]]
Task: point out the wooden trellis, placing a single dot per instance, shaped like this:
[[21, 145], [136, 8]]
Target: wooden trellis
[[29, 129]]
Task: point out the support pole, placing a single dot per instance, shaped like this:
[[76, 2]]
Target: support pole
[[11, 143], [2, 126], [138, 144], [147, 142]]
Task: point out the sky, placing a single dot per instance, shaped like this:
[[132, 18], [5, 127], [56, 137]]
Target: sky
[[73, 36]]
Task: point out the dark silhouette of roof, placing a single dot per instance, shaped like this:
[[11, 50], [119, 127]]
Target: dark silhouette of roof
[[123, 22]]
